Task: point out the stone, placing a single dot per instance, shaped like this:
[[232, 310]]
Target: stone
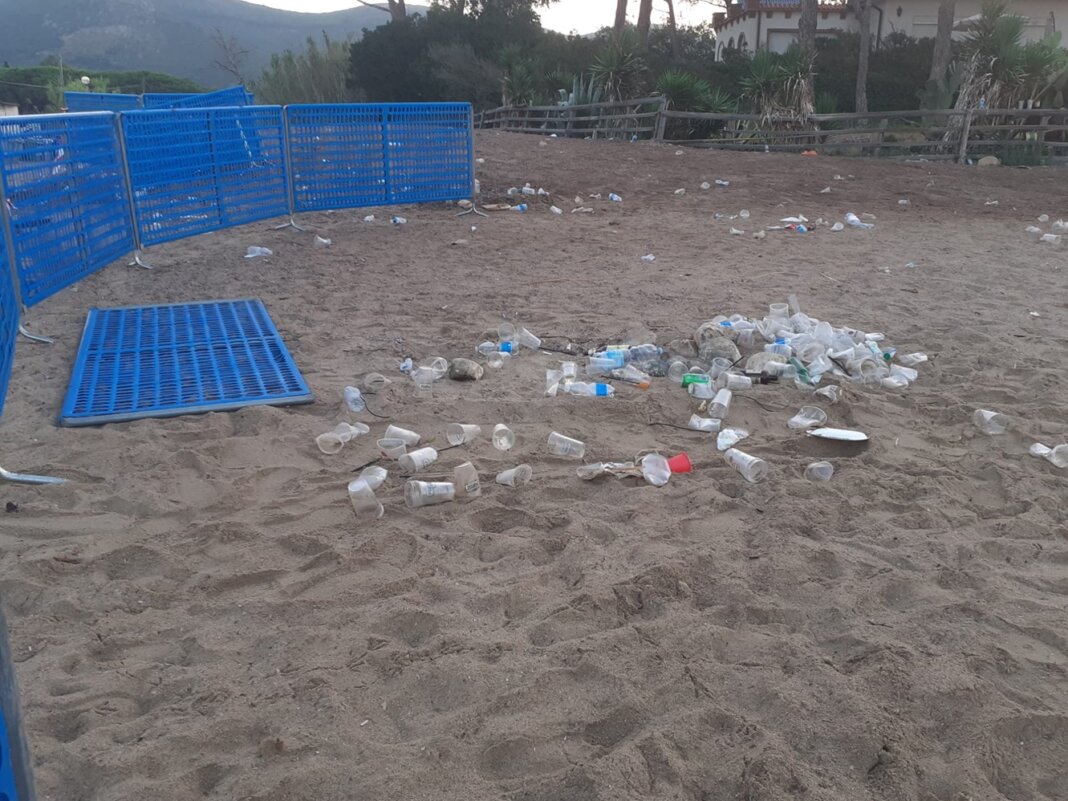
[[989, 161], [465, 370]]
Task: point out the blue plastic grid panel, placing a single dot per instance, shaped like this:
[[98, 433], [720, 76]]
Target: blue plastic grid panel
[[199, 170], [233, 96], [9, 320], [100, 101], [151, 100], [8, 791], [69, 209], [430, 152], [337, 156], [185, 358]]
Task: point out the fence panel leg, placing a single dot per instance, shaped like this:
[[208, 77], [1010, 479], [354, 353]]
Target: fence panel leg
[[26, 478], [42, 338]]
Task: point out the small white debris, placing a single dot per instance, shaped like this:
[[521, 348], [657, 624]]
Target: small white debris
[[760, 235], [649, 258], [680, 191], [370, 218], [556, 210], [706, 185], [1043, 218], [903, 202], [480, 161], [991, 203], [396, 220], [679, 152], [736, 232], [721, 182], [837, 227], [322, 242], [825, 191], [255, 252], [744, 214]]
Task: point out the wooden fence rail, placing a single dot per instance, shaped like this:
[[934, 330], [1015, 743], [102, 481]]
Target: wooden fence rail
[[1018, 135]]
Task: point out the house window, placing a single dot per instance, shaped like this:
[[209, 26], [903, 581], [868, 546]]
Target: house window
[[743, 45], [771, 14], [825, 15], [789, 14], [899, 11], [730, 44]]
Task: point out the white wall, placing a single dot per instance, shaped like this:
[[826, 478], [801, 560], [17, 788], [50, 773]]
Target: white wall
[[919, 18]]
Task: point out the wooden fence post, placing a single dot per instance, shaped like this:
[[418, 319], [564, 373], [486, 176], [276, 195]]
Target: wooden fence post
[[962, 155], [661, 121]]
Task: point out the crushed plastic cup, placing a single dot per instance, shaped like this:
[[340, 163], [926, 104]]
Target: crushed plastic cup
[[370, 218], [807, 417], [1057, 456], [837, 227], [707, 424], [322, 242], [990, 422], [566, 447], [680, 463], [720, 405], [503, 438], [779, 311], [819, 471], [375, 382], [333, 441], [832, 394], [428, 493], [396, 432], [506, 333], [363, 500], [854, 221], [438, 367], [729, 437], [744, 214], [461, 433], [468, 483], [734, 382], [569, 369], [417, 460], [701, 391], [911, 359], [392, 448], [255, 252], [374, 475], [398, 220], [648, 258], [516, 476], [655, 469], [353, 399], [752, 468]]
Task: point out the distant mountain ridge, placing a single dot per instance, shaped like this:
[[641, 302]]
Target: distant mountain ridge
[[172, 36]]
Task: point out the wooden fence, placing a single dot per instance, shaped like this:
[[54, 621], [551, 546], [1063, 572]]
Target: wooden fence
[[1018, 136]]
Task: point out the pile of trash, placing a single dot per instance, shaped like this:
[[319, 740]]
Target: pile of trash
[[1056, 236]]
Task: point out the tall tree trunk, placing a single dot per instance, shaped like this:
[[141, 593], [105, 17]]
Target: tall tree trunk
[[674, 29], [806, 40], [645, 17], [863, 10], [943, 48], [621, 15], [397, 9]]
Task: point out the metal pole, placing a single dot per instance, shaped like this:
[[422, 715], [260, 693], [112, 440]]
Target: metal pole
[[291, 194], [471, 155], [130, 196], [12, 260]]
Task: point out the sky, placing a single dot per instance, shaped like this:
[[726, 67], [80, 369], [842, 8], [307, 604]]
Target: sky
[[581, 16]]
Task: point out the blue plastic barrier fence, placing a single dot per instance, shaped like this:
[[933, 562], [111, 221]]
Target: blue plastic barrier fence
[[198, 170], [100, 101], [352, 155], [9, 316], [16, 775], [152, 100], [66, 195], [233, 96]]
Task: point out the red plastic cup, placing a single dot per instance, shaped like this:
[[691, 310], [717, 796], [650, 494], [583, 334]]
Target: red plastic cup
[[680, 464]]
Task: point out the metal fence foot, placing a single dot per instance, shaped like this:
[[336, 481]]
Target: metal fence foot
[[137, 261], [26, 478], [472, 210], [291, 224], [36, 337]]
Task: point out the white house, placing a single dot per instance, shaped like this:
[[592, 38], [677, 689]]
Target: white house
[[8, 110], [772, 24]]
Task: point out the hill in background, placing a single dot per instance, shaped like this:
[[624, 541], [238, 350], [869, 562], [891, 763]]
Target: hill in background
[[171, 36]]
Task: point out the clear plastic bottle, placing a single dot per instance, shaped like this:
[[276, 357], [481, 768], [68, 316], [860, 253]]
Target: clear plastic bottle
[[353, 399], [590, 390], [641, 354]]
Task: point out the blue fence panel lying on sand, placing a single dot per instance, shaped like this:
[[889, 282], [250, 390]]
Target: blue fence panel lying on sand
[[430, 152], [100, 101], [234, 96], [337, 156], [9, 320], [351, 155], [199, 170], [64, 182]]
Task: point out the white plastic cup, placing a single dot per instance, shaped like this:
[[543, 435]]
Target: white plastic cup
[[515, 477], [751, 468], [468, 484], [832, 394], [333, 441], [566, 447], [428, 493], [461, 433], [779, 311], [417, 460], [374, 475], [439, 366], [363, 500], [807, 417], [655, 469], [708, 424], [569, 369], [819, 471], [506, 332], [1057, 456], [735, 382], [375, 382], [676, 371], [392, 448], [503, 438], [720, 405], [719, 366], [396, 432], [701, 391], [990, 422]]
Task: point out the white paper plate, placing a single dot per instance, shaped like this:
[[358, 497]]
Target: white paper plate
[[843, 434]]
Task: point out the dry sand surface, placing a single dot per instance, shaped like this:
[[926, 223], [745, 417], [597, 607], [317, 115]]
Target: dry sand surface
[[198, 614]]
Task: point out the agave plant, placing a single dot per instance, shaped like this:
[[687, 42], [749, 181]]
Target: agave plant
[[584, 91], [619, 68], [684, 91], [520, 86]]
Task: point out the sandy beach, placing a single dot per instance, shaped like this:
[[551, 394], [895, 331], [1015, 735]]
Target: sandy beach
[[198, 613]]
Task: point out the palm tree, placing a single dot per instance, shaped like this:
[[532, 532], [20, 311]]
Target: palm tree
[[938, 83], [806, 40], [863, 10], [645, 16], [621, 15]]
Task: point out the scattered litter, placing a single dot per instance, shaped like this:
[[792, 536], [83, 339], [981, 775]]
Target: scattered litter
[[679, 152], [825, 191], [744, 214], [680, 191], [855, 222], [1057, 456], [649, 257], [480, 161], [353, 400], [512, 191], [321, 242], [429, 493], [1059, 227], [614, 197], [706, 185], [903, 202], [458, 242], [333, 441], [721, 182], [397, 220], [737, 232], [1043, 218], [832, 393], [255, 252], [521, 208], [556, 210], [807, 417], [840, 434], [707, 424], [837, 227], [795, 220], [911, 265], [1034, 314], [465, 204], [406, 366], [760, 235], [503, 438], [839, 178], [751, 468], [528, 190], [370, 218], [1052, 239], [729, 437], [868, 216], [566, 447], [516, 476], [819, 471], [582, 210], [578, 200], [364, 503], [991, 203]]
